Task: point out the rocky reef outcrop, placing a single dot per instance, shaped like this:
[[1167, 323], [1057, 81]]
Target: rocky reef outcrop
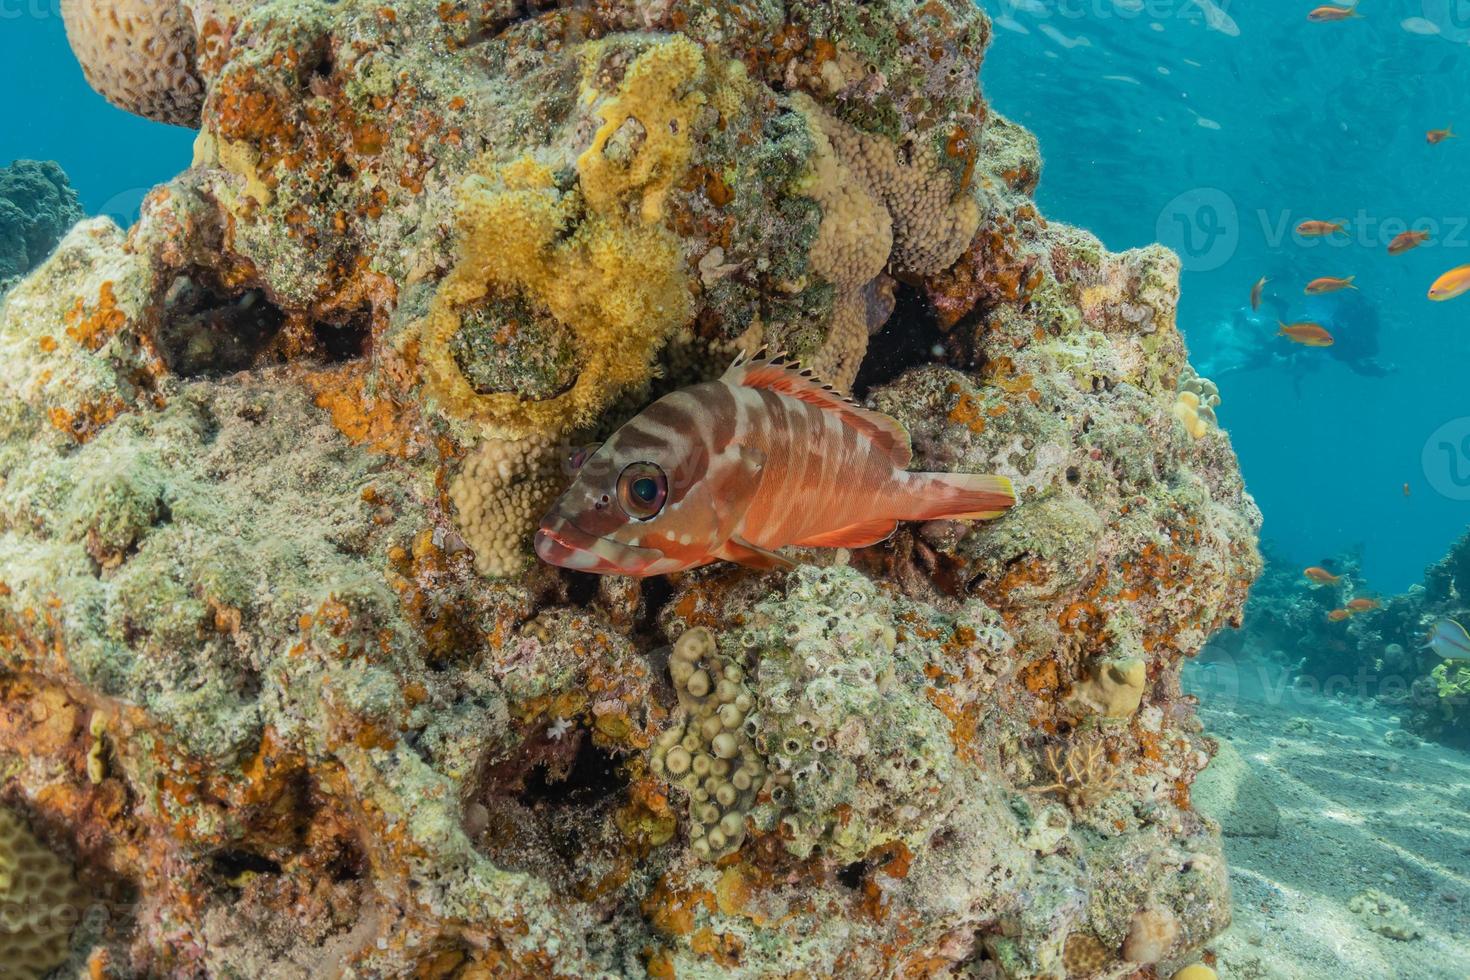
[[282, 674], [37, 207]]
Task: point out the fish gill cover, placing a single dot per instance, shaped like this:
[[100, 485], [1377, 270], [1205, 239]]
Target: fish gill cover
[[280, 665]]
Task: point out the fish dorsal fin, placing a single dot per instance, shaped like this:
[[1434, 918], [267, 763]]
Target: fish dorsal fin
[[783, 375]]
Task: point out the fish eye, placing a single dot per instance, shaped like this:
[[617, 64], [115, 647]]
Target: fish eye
[[642, 490]]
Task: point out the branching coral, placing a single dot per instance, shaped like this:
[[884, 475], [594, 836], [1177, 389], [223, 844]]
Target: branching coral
[[1082, 775], [139, 54]]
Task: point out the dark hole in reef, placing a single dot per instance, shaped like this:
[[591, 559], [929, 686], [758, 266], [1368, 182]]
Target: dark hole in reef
[[851, 875], [207, 330], [593, 775], [232, 864], [657, 592], [317, 62], [343, 342], [581, 588], [908, 340]]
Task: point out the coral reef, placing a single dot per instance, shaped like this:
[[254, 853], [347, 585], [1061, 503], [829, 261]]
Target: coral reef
[[279, 667], [37, 207], [1379, 653]]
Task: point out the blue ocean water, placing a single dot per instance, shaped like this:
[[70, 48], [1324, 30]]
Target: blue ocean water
[[1211, 125]]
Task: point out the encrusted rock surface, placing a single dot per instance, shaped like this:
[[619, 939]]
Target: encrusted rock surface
[[281, 671]]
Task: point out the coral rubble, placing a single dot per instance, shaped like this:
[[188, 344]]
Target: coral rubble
[[279, 661]]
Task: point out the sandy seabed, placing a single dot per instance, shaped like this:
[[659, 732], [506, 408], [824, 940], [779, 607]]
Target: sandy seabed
[[1360, 808]]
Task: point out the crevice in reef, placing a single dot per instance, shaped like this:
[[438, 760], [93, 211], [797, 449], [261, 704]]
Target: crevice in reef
[[208, 330], [551, 804], [231, 864], [911, 338], [336, 343], [593, 774]]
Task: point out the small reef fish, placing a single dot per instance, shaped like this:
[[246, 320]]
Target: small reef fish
[[1327, 13], [1440, 135], [1306, 334], [1451, 284], [1408, 492], [1322, 576], [1364, 605], [1329, 284], [1338, 615], [1320, 229], [1256, 292], [1449, 640], [1406, 241], [737, 468]]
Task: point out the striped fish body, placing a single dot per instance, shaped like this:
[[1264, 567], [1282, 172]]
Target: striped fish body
[[1449, 640], [739, 468]]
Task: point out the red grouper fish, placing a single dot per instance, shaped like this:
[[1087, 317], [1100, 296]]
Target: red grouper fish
[[737, 468]]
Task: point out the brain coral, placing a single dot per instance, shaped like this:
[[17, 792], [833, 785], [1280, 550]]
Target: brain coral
[[139, 54], [39, 901], [271, 459]]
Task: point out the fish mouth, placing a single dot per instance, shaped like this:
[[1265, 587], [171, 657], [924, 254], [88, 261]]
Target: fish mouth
[[561, 543]]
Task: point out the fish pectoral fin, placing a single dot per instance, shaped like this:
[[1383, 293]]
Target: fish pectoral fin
[[752, 556], [860, 535]]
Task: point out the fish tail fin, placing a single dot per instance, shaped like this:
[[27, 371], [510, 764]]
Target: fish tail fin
[[1349, 282], [1281, 331], [964, 496]]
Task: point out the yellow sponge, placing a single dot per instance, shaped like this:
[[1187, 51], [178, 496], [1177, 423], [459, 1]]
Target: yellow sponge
[[1197, 971]]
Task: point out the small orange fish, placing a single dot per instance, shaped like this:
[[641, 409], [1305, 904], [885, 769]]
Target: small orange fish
[[737, 468], [1451, 284], [1320, 229], [1329, 284], [1306, 334], [1440, 135], [1408, 240], [1338, 615], [1322, 576], [1407, 491], [1327, 13], [1256, 292], [1364, 605]]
